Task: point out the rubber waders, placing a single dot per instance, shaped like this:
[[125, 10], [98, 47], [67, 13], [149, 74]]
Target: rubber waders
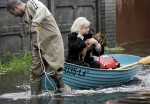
[[59, 83], [35, 88]]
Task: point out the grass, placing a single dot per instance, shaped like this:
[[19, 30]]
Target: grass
[[116, 49], [16, 62]]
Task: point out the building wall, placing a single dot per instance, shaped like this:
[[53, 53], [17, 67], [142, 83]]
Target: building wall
[[108, 20]]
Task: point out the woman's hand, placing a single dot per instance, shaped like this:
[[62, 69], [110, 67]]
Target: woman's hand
[[91, 41]]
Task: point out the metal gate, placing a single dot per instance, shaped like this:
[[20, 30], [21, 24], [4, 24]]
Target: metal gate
[[14, 35]]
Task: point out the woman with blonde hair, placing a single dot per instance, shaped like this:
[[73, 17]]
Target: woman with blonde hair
[[79, 37]]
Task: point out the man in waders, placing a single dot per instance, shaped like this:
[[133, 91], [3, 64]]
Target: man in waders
[[48, 48]]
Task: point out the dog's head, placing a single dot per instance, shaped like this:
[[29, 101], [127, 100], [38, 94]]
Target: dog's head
[[99, 37]]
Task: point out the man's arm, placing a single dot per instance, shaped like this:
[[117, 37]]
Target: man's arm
[[40, 10]]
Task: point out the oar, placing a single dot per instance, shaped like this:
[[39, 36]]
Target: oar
[[145, 60]]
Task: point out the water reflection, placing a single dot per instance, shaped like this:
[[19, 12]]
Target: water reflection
[[103, 98], [15, 89], [143, 98], [14, 82]]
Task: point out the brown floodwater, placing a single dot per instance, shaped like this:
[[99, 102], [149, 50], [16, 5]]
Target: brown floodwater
[[15, 89]]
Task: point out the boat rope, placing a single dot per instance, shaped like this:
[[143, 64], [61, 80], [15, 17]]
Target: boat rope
[[99, 61], [43, 66]]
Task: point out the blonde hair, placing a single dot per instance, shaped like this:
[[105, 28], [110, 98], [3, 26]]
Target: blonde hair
[[79, 23]]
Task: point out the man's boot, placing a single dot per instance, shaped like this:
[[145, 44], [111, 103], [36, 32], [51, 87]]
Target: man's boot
[[61, 87], [35, 87], [59, 82]]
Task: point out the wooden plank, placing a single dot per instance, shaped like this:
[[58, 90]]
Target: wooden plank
[[2, 4], [9, 31]]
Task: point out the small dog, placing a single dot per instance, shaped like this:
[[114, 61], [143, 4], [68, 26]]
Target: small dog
[[99, 37]]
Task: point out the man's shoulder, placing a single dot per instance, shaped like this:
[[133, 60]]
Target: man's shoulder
[[33, 2]]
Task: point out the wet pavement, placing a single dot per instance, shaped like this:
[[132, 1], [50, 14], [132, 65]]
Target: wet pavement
[[15, 89]]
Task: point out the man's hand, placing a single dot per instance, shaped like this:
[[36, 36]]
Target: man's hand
[[34, 29]]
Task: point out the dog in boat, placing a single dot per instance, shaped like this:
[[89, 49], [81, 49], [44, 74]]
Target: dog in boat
[[99, 37]]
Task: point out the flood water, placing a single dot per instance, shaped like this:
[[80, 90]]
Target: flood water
[[15, 89]]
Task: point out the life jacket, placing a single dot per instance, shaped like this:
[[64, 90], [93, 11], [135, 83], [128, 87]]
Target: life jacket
[[107, 62]]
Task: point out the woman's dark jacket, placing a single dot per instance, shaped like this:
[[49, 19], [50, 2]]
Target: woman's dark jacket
[[75, 47]]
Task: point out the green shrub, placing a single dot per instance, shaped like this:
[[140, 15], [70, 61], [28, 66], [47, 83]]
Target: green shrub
[[116, 49], [16, 62]]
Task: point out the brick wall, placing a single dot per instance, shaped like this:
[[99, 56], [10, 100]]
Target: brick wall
[[108, 20]]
